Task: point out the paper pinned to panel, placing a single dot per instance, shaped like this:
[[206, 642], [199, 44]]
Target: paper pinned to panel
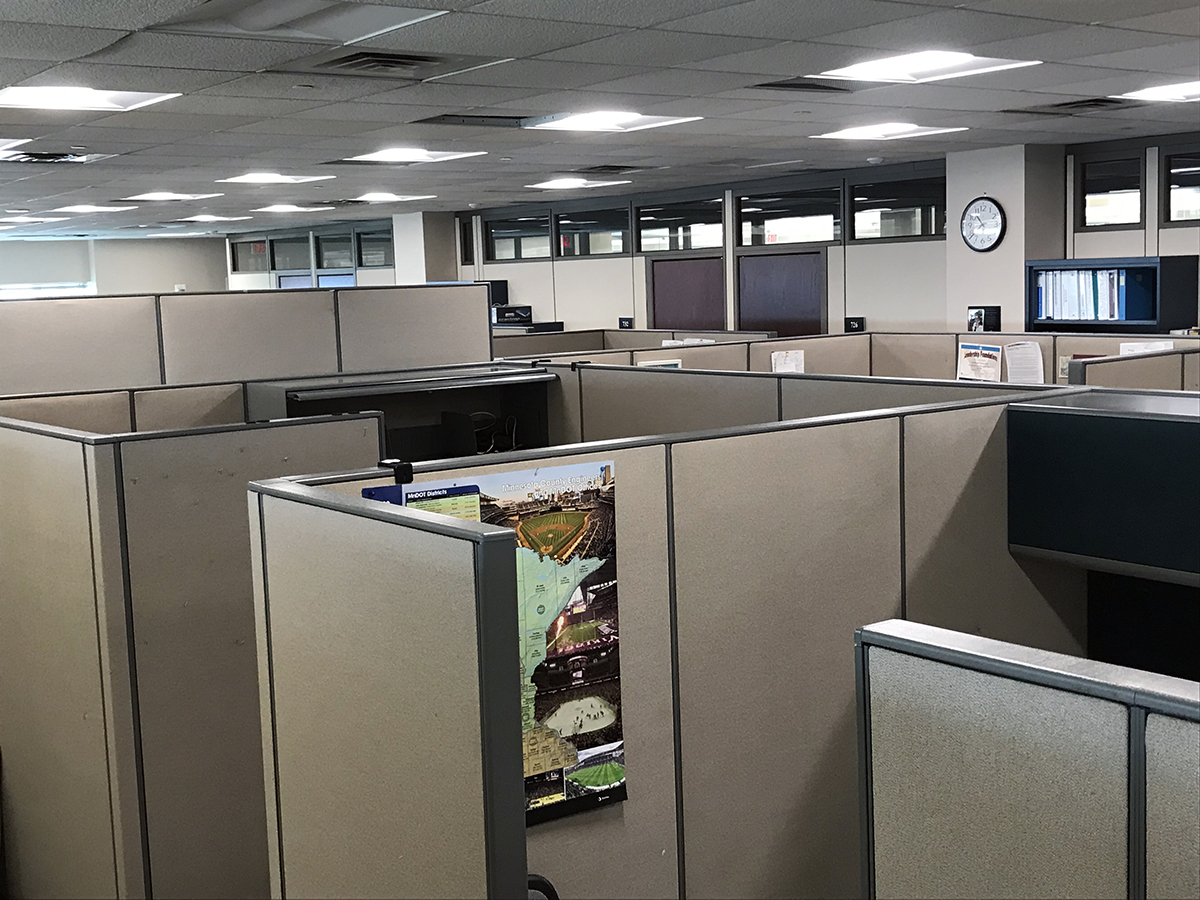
[[1024, 360], [670, 342], [1130, 347], [979, 362], [787, 361]]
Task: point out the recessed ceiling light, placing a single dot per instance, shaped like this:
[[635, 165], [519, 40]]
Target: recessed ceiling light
[[290, 208], [380, 197], [272, 178], [888, 131], [174, 234], [208, 218], [412, 155], [168, 195], [568, 184], [88, 208], [78, 98], [604, 120], [34, 220], [747, 209], [1184, 92], [786, 162], [9, 143], [927, 65]]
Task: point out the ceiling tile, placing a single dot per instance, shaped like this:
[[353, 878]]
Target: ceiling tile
[[213, 104], [21, 40], [657, 48], [129, 78], [631, 13], [679, 82], [786, 59], [127, 15], [490, 36], [951, 29], [186, 51], [1182, 22], [285, 86], [439, 93], [793, 21], [1182, 57], [1070, 44], [540, 73], [1085, 11]]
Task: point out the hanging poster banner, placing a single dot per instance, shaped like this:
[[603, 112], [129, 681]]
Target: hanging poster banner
[[565, 520]]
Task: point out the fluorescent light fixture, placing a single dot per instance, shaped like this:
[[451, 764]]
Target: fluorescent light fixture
[[88, 208], [747, 209], [888, 131], [290, 208], [155, 196], [927, 65], [412, 155], [1184, 92], [568, 184], [33, 220], [174, 234], [786, 162], [383, 197], [78, 98], [207, 218], [9, 143], [272, 178], [604, 120]]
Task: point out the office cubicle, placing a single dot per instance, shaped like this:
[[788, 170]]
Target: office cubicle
[[93, 343], [989, 769], [1164, 370]]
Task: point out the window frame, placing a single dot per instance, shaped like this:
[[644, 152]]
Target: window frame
[[558, 211], [1164, 185], [514, 214], [1080, 203], [741, 249], [849, 232]]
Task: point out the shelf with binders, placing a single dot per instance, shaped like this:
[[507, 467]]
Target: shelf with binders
[[1135, 295]]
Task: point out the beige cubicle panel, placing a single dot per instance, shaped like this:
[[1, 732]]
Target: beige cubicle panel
[[1172, 807], [626, 339], [1045, 343], [69, 791], [959, 573], [1160, 372], [783, 542], [408, 327], [835, 354], [100, 412], [1067, 346], [563, 410], [987, 786], [1191, 372], [602, 357], [728, 357], [238, 336], [637, 835], [547, 342], [804, 397], [83, 343], [189, 407], [914, 355], [722, 336], [192, 605], [631, 402]]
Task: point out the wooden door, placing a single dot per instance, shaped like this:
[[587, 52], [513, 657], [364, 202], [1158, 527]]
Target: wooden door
[[688, 294], [784, 293]]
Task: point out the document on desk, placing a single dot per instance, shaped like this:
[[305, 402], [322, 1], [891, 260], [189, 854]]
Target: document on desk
[[787, 361], [1129, 348], [979, 362], [1024, 359]]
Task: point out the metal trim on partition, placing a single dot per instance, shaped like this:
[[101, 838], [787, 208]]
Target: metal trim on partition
[[903, 527], [1137, 803], [337, 326], [500, 718], [162, 353], [676, 712], [866, 790]]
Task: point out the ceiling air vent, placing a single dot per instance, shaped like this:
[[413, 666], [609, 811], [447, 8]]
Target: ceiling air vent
[[474, 121], [608, 170], [374, 62], [811, 86], [30, 156], [1075, 107], [408, 67]]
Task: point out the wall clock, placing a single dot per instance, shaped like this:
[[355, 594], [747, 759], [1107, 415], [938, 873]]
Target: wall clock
[[983, 224]]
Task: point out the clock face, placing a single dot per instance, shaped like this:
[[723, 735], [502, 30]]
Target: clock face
[[982, 224]]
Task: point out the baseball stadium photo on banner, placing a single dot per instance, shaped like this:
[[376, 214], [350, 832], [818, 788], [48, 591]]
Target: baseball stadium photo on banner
[[565, 521]]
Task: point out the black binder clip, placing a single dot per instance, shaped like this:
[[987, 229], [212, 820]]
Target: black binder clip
[[401, 469]]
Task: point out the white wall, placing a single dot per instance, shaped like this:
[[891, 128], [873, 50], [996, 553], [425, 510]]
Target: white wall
[[1093, 244], [250, 281], [408, 239], [529, 284], [45, 262], [594, 292], [835, 289], [157, 265], [898, 286]]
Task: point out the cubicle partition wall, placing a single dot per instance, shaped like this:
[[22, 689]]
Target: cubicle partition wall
[[508, 346], [990, 769], [1071, 346], [748, 555], [1165, 370], [132, 763], [387, 642], [93, 343]]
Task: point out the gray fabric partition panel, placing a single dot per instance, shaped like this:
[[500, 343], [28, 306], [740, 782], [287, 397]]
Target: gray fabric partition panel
[[848, 354], [564, 418], [1044, 341], [600, 357], [1160, 373], [1068, 345], [1191, 372], [69, 795], [958, 571], [722, 336], [720, 357], [407, 327], [376, 706], [193, 612], [671, 402], [636, 340], [807, 397], [99, 413], [636, 838], [88, 343], [222, 337], [509, 345], [783, 541], [189, 407], [914, 355], [1172, 807], [985, 786]]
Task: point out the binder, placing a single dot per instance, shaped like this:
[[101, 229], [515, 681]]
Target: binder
[[1121, 294]]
